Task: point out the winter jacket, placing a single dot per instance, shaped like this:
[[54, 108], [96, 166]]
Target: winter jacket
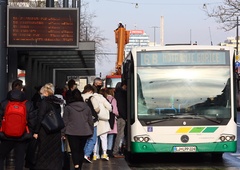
[[113, 102], [47, 104], [94, 103], [49, 152], [78, 120], [103, 125], [17, 95], [121, 97]]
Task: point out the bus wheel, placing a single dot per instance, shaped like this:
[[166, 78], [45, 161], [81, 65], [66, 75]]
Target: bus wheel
[[217, 156], [129, 157]]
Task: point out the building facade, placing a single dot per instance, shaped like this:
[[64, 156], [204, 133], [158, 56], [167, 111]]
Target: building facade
[[138, 38]]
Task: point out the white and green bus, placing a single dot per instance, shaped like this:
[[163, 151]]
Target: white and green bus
[[181, 99]]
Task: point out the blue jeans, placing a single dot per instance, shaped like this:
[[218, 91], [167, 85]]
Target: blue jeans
[[110, 141], [88, 149]]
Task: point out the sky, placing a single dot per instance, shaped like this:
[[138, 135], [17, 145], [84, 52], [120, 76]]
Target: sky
[[184, 21]]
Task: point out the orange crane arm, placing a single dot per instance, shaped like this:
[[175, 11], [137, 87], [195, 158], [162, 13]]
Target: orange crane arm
[[121, 38]]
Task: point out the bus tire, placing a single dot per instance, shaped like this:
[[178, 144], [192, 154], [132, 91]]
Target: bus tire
[[217, 156], [129, 157]]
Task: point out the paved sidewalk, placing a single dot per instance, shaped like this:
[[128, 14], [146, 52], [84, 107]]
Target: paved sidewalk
[[112, 164]]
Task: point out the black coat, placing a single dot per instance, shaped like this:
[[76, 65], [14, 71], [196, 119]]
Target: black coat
[[121, 97], [49, 153]]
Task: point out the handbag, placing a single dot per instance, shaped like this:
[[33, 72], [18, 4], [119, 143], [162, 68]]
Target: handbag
[[111, 117], [104, 112], [67, 163], [65, 145], [52, 122]]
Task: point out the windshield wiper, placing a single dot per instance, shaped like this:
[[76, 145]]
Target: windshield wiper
[[212, 120], [171, 117], [162, 119]]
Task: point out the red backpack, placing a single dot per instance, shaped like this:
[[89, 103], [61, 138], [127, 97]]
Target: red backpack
[[14, 123]]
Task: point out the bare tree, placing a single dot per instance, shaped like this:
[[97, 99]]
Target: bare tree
[[226, 13], [27, 3], [88, 32]]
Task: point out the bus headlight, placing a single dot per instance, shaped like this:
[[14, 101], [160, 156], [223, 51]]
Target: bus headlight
[[225, 137], [141, 138]]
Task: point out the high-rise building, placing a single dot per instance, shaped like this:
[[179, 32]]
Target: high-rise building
[[138, 38], [231, 41]]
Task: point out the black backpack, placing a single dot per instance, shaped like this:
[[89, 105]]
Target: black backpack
[[94, 113]]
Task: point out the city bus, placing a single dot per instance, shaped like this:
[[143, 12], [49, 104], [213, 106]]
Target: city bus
[[181, 99]]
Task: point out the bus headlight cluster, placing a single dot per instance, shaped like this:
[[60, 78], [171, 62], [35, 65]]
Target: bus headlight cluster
[[141, 138], [227, 138]]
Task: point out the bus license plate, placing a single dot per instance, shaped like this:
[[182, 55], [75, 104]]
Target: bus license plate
[[185, 149]]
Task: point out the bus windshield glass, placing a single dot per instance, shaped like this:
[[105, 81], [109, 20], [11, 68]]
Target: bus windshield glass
[[190, 86], [111, 81]]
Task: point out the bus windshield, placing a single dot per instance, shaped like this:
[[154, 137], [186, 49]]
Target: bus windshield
[[111, 81], [198, 94]]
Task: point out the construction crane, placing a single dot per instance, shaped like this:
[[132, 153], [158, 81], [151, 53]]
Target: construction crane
[[121, 38]]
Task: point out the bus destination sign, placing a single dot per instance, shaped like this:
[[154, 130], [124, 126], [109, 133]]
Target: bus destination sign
[[43, 27], [191, 57]]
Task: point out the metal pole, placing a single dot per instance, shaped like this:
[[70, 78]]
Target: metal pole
[[79, 7], [154, 29], [3, 49], [86, 39], [190, 37], [162, 31], [210, 36], [65, 3], [237, 38], [73, 3], [154, 35], [49, 3]]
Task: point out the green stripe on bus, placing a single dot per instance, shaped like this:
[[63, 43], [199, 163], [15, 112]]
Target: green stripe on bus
[[197, 130], [210, 129], [142, 147]]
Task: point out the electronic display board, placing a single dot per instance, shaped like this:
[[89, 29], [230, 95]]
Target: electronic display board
[[43, 27], [183, 57]]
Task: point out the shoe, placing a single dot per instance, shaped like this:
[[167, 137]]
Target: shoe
[[87, 159], [118, 156], [95, 157], [110, 153], [105, 157]]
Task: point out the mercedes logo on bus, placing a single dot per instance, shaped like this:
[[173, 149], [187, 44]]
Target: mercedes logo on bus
[[184, 138]]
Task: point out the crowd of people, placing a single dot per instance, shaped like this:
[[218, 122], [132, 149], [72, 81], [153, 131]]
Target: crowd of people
[[86, 128]]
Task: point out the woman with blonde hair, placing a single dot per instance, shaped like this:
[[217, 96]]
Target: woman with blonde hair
[[49, 154]]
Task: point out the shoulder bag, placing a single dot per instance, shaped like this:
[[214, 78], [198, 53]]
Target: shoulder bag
[[111, 117], [103, 113], [52, 122]]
